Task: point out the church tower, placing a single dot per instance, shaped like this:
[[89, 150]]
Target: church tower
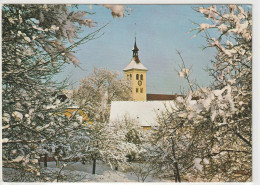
[[136, 72]]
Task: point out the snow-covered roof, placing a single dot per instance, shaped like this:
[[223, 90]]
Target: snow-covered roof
[[73, 107], [135, 65], [144, 112]]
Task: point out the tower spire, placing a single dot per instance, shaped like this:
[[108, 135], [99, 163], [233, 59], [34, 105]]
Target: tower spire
[[135, 49], [135, 38]]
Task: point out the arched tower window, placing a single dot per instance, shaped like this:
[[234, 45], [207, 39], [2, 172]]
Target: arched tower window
[[141, 77], [137, 76], [130, 76], [127, 77]]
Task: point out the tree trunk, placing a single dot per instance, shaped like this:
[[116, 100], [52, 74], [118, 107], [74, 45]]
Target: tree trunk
[[94, 167], [45, 160], [177, 176], [176, 171], [57, 163]]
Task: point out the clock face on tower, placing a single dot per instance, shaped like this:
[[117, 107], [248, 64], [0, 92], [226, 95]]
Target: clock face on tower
[[139, 82]]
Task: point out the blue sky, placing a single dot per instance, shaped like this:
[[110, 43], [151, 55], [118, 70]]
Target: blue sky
[[160, 29]]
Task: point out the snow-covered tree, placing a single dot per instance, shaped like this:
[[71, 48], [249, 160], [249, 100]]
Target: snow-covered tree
[[231, 108], [129, 148], [210, 139], [113, 143], [95, 93], [34, 39], [131, 144]]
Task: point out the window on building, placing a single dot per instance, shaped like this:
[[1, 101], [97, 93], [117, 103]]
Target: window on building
[[141, 77], [136, 90], [137, 76], [130, 76], [127, 77], [141, 90]]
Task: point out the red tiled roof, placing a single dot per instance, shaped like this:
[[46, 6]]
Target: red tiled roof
[[152, 97]]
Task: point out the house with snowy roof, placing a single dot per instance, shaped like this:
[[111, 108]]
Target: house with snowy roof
[[145, 107]]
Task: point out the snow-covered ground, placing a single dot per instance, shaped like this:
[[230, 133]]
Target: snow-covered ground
[[78, 172]]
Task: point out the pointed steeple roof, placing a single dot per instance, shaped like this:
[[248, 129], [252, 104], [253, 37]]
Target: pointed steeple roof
[[135, 62], [135, 50], [135, 46]]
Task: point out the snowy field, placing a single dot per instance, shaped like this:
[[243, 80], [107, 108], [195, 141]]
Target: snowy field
[[78, 172]]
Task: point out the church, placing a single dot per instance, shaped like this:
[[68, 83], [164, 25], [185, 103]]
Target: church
[[145, 107]]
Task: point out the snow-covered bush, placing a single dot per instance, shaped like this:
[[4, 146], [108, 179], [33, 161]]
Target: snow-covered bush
[[132, 146], [142, 169]]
